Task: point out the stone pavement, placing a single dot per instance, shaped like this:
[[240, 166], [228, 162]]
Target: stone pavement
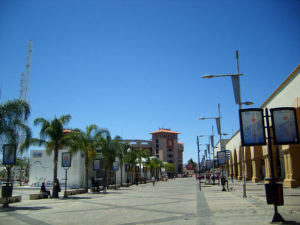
[[230, 207], [174, 202]]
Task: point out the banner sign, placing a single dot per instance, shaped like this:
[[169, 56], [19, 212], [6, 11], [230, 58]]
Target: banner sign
[[216, 165], [115, 166], [208, 164], [9, 154], [221, 155], [284, 122], [252, 127], [96, 164], [66, 159]]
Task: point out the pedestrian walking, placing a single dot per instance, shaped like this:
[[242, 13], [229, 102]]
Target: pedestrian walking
[[153, 181]]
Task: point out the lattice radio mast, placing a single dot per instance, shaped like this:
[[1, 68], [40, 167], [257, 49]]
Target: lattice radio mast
[[25, 77], [24, 87]]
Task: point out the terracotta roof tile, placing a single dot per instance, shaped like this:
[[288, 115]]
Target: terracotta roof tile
[[164, 131]]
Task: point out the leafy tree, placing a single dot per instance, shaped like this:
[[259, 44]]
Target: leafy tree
[[170, 167], [192, 163], [13, 115], [52, 137], [87, 142]]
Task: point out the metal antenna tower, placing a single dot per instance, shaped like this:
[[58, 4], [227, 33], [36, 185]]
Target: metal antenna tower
[[25, 77], [24, 86]]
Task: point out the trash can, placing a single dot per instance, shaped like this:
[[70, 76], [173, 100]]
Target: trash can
[[274, 194], [6, 190]]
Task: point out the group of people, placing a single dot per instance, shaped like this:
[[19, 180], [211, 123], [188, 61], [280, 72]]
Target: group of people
[[55, 192], [213, 178]]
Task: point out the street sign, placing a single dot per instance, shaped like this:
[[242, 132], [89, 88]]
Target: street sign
[[115, 166]]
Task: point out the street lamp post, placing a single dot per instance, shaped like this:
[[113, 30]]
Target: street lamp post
[[218, 121], [199, 162], [237, 94]]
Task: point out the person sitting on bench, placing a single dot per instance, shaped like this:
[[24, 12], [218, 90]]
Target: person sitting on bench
[[45, 191]]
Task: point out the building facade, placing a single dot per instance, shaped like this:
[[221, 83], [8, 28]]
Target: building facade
[[286, 157], [164, 145], [164, 141]]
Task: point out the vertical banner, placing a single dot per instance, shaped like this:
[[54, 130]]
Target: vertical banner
[[221, 156], [284, 122], [66, 159], [96, 164], [208, 164], [252, 127], [212, 141], [9, 154]]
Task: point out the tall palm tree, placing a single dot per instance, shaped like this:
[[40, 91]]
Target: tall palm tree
[[109, 148], [13, 115], [88, 142], [52, 137]]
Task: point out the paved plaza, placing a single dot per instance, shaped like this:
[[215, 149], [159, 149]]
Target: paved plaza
[[173, 202]]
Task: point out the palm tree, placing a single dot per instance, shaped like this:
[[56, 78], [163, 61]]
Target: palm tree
[[22, 165], [170, 168], [141, 153], [130, 158], [52, 137], [13, 115], [109, 148], [88, 142], [121, 153]]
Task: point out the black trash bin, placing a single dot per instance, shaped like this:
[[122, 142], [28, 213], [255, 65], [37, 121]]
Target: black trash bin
[[6, 190]]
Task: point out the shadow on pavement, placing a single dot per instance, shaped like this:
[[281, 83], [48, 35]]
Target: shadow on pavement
[[14, 208], [75, 198], [290, 222]]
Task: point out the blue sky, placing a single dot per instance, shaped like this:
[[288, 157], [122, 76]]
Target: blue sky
[[136, 66]]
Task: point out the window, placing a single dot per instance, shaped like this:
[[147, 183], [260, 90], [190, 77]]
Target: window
[[157, 151], [37, 154], [170, 161], [170, 156], [170, 150], [157, 156], [157, 141], [157, 145]]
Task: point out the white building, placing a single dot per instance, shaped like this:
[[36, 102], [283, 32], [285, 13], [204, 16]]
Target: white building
[[41, 170]]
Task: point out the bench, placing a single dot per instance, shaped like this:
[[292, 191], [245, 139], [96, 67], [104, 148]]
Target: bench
[[37, 196], [75, 192], [12, 199]]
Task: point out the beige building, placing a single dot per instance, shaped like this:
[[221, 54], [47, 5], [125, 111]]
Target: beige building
[[165, 146], [286, 157]]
